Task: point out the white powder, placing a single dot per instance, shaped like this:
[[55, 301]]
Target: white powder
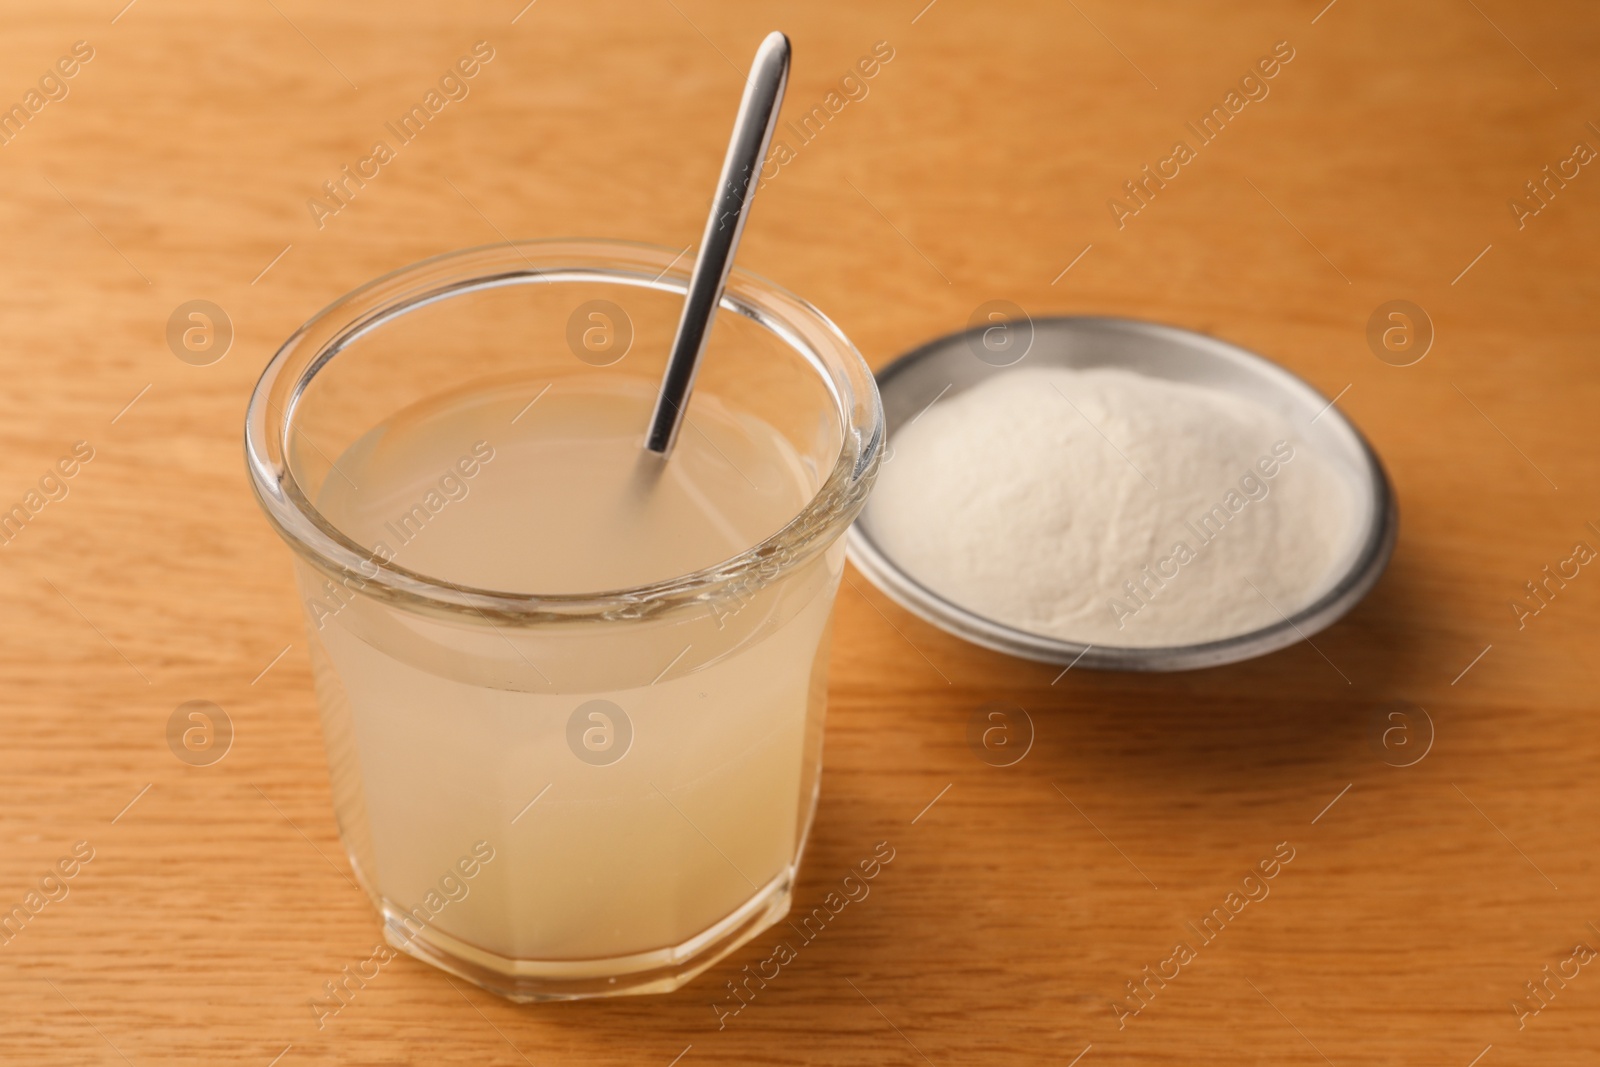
[[1112, 508]]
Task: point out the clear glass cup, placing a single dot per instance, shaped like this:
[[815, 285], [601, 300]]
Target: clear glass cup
[[536, 795]]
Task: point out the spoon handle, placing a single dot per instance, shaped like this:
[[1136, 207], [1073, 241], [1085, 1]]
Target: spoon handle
[[741, 170]]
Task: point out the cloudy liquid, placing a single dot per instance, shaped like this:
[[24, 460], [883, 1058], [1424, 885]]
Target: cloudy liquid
[[444, 733]]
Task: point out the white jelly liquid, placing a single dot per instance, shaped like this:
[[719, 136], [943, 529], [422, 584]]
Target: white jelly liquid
[[441, 731]]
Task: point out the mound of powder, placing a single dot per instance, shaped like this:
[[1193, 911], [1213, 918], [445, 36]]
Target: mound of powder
[[1112, 508]]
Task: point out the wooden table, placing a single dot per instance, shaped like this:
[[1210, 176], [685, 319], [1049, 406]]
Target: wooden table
[[1378, 166]]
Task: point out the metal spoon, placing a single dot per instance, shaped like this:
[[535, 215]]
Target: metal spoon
[[752, 133]]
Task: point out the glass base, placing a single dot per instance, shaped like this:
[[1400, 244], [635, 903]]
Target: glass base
[[527, 981]]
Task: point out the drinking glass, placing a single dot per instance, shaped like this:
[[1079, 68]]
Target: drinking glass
[[575, 794]]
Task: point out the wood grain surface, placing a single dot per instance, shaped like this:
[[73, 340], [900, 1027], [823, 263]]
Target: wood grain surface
[[1380, 164]]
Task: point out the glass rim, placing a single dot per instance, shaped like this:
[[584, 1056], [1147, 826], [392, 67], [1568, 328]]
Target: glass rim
[[269, 421]]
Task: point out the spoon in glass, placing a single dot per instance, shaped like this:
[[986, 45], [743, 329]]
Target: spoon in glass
[[741, 169]]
